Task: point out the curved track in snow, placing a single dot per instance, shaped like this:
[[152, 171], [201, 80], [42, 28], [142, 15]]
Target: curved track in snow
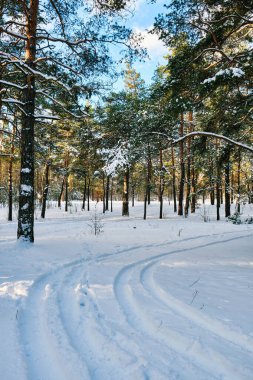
[[74, 325]]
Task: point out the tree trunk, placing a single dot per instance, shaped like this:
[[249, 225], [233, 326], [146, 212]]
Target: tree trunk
[[218, 193], [104, 193], [212, 195], [173, 179], [45, 191], [227, 191], [145, 203], [211, 179], [125, 198], [161, 183], [188, 172], [133, 194], [251, 188], [88, 195], [194, 189], [111, 193], [239, 182], [227, 185], [218, 181], [10, 192], [107, 189], [10, 170], [182, 167], [66, 192], [149, 175], [84, 192], [61, 192], [26, 191], [232, 187], [66, 181]]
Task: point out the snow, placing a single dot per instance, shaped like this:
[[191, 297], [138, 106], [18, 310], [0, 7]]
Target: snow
[[233, 71], [15, 289], [26, 189], [210, 134], [4, 82], [155, 299], [25, 170]]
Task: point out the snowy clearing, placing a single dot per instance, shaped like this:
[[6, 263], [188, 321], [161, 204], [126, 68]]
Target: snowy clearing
[[155, 299]]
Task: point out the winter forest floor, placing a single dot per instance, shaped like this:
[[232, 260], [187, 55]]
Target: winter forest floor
[[155, 299]]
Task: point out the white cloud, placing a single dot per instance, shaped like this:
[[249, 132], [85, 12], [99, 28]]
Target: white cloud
[[154, 46], [136, 3]]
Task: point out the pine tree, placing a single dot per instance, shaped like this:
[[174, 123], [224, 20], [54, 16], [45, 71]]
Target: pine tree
[[28, 48]]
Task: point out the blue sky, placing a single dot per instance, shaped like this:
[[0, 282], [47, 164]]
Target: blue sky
[[141, 21]]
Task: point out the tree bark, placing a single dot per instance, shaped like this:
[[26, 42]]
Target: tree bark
[[45, 190], [251, 188], [84, 192], [145, 203], [227, 185], [232, 187], [26, 190], [211, 180], [111, 193], [104, 192], [218, 194], [133, 194], [10, 170], [125, 198], [239, 182], [161, 183], [107, 190], [61, 192], [173, 179], [182, 168], [66, 181], [149, 175], [66, 192], [188, 172], [88, 194], [194, 189]]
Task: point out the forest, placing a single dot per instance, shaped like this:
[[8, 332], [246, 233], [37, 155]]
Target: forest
[[126, 189], [186, 136]]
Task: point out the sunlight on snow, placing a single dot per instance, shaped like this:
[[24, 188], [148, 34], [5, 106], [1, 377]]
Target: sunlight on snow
[[15, 289]]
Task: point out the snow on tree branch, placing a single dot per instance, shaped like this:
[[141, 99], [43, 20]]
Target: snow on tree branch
[[210, 134]]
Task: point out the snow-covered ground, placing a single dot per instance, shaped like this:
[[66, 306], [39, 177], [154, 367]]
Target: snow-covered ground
[[155, 299]]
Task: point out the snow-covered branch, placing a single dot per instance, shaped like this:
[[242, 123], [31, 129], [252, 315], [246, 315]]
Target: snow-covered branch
[[12, 34], [46, 116], [11, 84], [210, 134], [13, 101], [202, 133], [61, 105]]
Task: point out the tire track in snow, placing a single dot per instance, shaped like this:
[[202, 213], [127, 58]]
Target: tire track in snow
[[189, 312], [98, 344], [138, 318], [48, 351], [49, 340]]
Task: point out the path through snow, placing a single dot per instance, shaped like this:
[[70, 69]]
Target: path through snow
[[139, 302]]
